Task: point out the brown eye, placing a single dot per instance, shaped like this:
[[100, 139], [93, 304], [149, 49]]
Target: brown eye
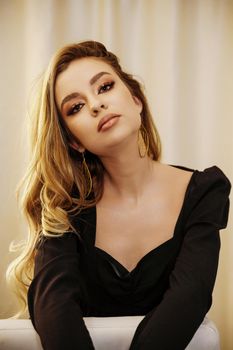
[[75, 108], [106, 87]]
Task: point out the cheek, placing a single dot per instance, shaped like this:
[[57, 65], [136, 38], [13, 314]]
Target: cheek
[[132, 106], [133, 110], [76, 128], [84, 132]]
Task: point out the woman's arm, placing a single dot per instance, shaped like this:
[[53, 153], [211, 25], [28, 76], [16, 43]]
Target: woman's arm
[[54, 296], [173, 323]]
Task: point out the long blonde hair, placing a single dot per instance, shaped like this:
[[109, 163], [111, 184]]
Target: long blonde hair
[[54, 177]]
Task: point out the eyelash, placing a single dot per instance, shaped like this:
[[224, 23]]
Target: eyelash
[[110, 85], [107, 84]]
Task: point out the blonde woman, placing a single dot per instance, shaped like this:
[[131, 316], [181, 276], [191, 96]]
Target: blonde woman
[[113, 230]]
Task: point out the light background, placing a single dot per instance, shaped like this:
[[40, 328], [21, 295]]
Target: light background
[[181, 50]]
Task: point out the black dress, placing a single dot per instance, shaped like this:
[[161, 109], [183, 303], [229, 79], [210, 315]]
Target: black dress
[[171, 285]]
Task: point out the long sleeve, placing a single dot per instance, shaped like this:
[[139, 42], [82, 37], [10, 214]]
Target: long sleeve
[[54, 296], [173, 323]]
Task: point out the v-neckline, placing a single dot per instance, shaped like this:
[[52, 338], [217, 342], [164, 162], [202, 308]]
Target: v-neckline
[[157, 248]]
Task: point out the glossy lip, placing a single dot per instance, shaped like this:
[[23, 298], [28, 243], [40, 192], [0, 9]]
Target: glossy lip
[[105, 119]]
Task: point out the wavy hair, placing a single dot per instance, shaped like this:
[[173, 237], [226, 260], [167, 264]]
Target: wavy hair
[[54, 186]]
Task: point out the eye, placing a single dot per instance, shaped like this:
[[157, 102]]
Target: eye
[[106, 87], [74, 108]]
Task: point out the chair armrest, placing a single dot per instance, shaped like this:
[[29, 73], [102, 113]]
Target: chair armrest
[[113, 333]]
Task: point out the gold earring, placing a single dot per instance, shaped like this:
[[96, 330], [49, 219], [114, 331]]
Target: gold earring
[[87, 174], [143, 141]]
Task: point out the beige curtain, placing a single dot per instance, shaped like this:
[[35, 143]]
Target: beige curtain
[[181, 50]]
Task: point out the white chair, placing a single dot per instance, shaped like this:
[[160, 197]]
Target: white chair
[[113, 333]]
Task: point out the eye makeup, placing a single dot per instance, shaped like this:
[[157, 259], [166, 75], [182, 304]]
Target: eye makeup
[[105, 87]]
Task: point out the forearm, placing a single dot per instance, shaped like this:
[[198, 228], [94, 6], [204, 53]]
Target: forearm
[[63, 330], [54, 304], [172, 324]]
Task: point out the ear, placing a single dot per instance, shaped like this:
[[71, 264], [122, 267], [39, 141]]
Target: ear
[[138, 102]]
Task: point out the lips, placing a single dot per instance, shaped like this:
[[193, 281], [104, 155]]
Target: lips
[[105, 119]]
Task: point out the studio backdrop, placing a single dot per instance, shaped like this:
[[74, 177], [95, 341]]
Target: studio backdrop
[[182, 53]]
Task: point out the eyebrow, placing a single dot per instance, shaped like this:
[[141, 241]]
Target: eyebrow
[[77, 94]]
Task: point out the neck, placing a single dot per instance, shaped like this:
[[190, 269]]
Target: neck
[[127, 175]]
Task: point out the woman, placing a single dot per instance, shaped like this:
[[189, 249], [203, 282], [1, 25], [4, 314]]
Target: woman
[[113, 231]]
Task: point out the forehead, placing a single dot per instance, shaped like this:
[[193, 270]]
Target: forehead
[[78, 74]]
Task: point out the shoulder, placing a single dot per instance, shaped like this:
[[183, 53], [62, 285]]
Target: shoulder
[[57, 242], [174, 180], [178, 173], [202, 180], [207, 193], [209, 197], [212, 175], [211, 182]]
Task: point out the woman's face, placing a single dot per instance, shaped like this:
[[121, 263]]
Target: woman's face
[[89, 90]]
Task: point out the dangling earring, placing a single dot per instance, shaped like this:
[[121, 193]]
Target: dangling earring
[[143, 141], [87, 174]]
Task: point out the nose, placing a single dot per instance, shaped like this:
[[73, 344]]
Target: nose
[[96, 107]]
